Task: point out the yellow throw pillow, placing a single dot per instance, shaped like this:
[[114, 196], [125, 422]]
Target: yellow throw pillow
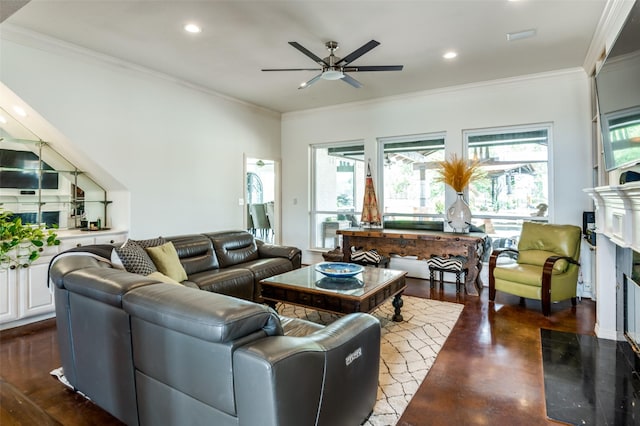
[[159, 276], [166, 259]]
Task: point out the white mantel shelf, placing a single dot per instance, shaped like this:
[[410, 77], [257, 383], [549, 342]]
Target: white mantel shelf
[[618, 213]]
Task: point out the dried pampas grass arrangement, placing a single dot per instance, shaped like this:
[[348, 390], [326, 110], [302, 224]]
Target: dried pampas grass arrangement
[[458, 173]]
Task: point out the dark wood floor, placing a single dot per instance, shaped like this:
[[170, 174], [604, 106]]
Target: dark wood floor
[[488, 372]]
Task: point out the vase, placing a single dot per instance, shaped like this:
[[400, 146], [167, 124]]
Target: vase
[[459, 215]]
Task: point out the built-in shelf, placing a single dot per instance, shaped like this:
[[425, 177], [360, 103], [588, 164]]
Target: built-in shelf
[[618, 213]]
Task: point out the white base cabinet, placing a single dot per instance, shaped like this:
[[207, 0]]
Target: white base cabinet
[[8, 296], [25, 295]]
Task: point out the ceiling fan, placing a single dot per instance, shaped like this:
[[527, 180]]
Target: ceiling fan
[[334, 68]]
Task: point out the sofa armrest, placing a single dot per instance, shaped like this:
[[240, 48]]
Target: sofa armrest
[[294, 254], [329, 377], [205, 315]]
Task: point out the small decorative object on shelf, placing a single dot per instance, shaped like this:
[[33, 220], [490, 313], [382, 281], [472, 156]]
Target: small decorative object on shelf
[[458, 173], [21, 244], [371, 217]]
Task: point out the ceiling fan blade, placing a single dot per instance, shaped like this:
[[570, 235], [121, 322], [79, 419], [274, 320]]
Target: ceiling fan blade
[[358, 52], [374, 68], [310, 82], [352, 81], [307, 52], [291, 69]]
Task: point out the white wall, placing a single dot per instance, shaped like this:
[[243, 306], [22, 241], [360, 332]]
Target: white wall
[[561, 98], [178, 151]]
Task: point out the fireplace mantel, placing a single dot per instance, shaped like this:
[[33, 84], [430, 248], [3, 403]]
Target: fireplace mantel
[[618, 213], [617, 232]]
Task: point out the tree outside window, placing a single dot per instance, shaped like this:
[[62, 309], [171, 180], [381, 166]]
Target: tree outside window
[[515, 185]]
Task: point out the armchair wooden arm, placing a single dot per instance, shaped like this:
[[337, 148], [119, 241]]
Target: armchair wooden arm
[[547, 270], [493, 260]]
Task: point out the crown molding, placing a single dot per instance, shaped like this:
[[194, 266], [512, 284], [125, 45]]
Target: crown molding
[[611, 21], [26, 37], [444, 90]]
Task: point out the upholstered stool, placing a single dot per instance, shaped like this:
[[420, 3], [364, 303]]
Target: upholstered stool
[[453, 264], [383, 263], [369, 258]]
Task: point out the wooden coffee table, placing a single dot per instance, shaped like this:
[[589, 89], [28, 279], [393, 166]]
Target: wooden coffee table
[[362, 293]]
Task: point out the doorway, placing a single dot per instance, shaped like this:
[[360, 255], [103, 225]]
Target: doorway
[[261, 213]]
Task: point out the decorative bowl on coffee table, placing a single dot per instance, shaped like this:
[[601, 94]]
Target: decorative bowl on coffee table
[[339, 269]]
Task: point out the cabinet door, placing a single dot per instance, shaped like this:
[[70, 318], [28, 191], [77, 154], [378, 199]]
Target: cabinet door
[[68, 243], [8, 296], [35, 296]]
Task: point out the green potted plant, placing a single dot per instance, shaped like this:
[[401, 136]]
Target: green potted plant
[[21, 244]]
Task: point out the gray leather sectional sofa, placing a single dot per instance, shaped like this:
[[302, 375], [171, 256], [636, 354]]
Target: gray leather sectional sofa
[[153, 353]]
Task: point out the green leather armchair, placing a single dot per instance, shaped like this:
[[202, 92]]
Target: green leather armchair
[[546, 267]]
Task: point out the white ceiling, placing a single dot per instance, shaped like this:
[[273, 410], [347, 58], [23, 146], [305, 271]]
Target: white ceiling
[[239, 38]]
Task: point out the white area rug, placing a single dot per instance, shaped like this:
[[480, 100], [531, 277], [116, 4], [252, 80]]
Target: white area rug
[[408, 348]]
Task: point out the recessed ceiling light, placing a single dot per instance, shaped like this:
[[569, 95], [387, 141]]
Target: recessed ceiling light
[[519, 35], [3, 120], [450, 55], [20, 111], [192, 28]]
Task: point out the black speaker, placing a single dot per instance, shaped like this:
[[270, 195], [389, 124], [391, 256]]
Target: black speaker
[[588, 222], [629, 176]]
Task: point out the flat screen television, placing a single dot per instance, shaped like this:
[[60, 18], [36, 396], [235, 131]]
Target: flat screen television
[[618, 90]]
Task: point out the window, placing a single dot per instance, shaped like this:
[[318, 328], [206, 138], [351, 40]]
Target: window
[[338, 180], [515, 185], [408, 169]]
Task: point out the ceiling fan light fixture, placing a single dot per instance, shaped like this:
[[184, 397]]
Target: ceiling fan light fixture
[[333, 68], [332, 75]]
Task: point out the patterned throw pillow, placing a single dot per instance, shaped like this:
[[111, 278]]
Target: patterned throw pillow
[[135, 259], [152, 242]]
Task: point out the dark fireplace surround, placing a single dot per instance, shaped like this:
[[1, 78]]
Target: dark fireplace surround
[[617, 215], [630, 262]]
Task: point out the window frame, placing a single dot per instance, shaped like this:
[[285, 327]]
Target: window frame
[[546, 126], [313, 208], [382, 141]]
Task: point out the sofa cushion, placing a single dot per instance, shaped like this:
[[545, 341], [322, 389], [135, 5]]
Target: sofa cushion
[[231, 282], [135, 259], [234, 247], [539, 257], [166, 259], [162, 278], [264, 268], [195, 252]]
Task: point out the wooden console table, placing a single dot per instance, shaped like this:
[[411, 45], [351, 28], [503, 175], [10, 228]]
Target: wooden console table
[[422, 244]]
